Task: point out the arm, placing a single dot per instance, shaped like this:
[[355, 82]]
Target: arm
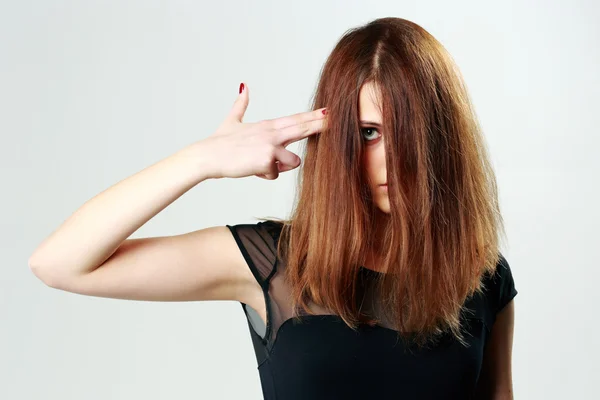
[[495, 381], [90, 253]]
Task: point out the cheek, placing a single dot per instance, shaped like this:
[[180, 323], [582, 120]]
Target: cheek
[[374, 161], [369, 166]]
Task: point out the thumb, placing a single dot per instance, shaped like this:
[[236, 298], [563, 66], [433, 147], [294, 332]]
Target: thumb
[[240, 105]]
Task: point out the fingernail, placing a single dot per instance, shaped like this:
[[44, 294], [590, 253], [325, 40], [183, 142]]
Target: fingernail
[[324, 111], [241, 87]]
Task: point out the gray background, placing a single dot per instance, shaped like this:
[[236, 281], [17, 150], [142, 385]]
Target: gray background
[[94, 91]]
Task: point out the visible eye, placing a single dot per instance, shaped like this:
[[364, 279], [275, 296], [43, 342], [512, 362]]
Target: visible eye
[[370, 134]]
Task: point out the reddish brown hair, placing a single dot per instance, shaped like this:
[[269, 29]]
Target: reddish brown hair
[[443, 230]]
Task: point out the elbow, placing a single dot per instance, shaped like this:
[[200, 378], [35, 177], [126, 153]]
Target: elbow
[[43, 273]]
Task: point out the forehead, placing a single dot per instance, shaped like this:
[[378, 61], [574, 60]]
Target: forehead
[[369, 105]]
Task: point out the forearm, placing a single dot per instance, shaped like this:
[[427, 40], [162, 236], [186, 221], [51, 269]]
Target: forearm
[[96, 230]]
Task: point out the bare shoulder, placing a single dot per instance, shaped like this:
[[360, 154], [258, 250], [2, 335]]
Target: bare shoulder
[[205, 264]]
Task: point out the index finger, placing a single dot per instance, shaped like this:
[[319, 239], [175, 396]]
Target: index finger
[[298, 132], [299, 118]]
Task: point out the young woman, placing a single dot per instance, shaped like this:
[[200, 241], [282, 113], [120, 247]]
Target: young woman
[[386, 282]]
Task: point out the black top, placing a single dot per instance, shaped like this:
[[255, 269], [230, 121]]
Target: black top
[[323, 358]]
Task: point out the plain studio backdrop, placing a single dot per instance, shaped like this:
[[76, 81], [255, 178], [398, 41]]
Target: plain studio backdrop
[[94, 91]]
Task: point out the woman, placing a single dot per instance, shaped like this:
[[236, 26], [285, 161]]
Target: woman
[[386, 282]]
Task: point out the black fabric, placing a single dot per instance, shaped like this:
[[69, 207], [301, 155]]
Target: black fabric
[[322, 358]]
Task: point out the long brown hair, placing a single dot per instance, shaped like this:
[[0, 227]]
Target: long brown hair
[[443, 230]]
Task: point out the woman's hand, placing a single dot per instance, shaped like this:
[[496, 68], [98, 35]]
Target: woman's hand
[[239, 149]]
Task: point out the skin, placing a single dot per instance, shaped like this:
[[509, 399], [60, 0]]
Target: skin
[[92, 252], [496, 375], [374, 153]]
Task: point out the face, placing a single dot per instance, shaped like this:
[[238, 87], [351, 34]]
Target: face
[[374, 150]]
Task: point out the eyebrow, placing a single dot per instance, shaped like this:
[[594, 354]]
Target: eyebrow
[[370, 123]]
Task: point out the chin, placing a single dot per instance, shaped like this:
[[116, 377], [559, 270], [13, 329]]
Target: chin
[[384, 205]]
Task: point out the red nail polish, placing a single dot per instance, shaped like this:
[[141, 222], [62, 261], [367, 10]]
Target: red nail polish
[[241, 87], [324, 111]]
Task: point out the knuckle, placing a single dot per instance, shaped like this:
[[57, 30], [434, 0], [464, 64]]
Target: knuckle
[[265, 166], [268, 124], [261, 125], [277, 124], [270, 153]]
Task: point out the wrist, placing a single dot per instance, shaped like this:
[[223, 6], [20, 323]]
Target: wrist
[[198, 157]]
